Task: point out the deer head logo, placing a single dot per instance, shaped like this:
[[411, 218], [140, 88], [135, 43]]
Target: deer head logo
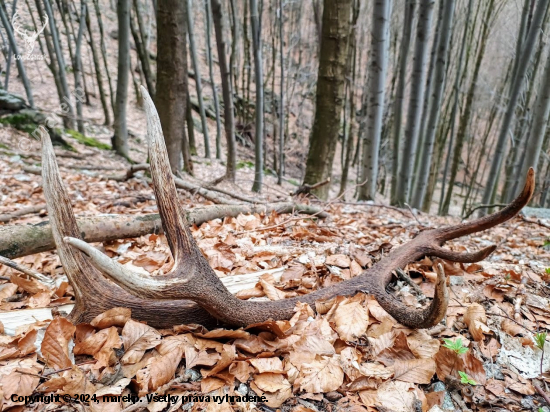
[[28, 36]]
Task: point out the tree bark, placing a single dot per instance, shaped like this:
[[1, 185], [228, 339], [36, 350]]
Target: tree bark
[[171, 99], [229, 120], [416, 98], [198, 83], [258, 78], [378, 62], [515, 91], [330, 93], [120, 137], [435, 108]]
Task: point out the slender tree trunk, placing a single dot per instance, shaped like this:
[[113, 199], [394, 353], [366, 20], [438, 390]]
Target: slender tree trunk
[[99, 76], [416, 99], [78, 67], [347, 148], [439, 81], [400, 94], [515, 91], [229, 121], [120, 138], [19, 62], [455, 106], [171, 98], [104, 52], [258, 74], [142, 52], [281, 169], [190, 125], [10, 50], [198, 82], [330, 93], [70, 123], [208, 12], [538, 128], [378, 63]]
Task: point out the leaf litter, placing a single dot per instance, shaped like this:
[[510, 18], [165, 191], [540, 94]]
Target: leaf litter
[[348, 354]]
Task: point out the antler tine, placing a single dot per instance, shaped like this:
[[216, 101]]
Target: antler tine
[[173, 219], [486, 222]]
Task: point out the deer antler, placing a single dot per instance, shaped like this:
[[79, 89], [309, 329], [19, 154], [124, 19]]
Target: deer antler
[[17, 25], [44, 24], [192, 278]]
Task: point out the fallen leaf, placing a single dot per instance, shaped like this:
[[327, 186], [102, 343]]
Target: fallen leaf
[[112, 317], [137, 338], [415, 370], [321, 375], [351, 318], [55, 345], [476, 320]]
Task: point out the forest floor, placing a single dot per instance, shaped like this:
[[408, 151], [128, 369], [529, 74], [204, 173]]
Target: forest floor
[[353, 356]]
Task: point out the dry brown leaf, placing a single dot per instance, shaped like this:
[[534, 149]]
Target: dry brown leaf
[[55, 345], [112, 317], [423, 345], [351, 318], [211, 384], [476, 320], [274, 400], [101, 346], [322, 375], [273, 365], [342, 261], [137, 337], [396, 396], [31, 285], [19, 377], [271, 291], [227, 356], [224, 333], [193, 357], [241, 370], [447, 363], [159, 370], [376, 371], [7, 290], [271, 382], [414, 370], [26, 344]]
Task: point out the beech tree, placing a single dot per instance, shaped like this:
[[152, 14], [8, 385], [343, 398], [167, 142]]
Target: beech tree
[[330, 93]]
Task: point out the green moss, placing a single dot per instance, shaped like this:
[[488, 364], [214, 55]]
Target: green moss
[[242, 164], [3, 146], [87, 141]]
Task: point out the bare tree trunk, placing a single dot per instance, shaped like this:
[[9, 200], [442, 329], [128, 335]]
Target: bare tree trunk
[[104, 53], [410, 6], [208, 12], [120, 138], [229, 121], [281, 170], [515, 91], [439, 81], [69, 120], [330, 93], [142, 52], [171, 99], [78, 67], [10, 50], [468, 107], [378, 62], [198, 82], [455, 105], [258, 79], [416, 99], [19, 62], [99, 76], [538, 128], [190, 125]]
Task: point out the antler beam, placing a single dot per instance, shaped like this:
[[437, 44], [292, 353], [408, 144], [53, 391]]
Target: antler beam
[[192, 278]]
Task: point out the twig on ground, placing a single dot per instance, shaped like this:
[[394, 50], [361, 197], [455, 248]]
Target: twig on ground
[[413, 214], [472, 210], [541, 392], [27, 271], [534, 222], [22, 212], [407, 279], [306, 189]]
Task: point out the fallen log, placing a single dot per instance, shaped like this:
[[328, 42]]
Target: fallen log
[[23, 240]]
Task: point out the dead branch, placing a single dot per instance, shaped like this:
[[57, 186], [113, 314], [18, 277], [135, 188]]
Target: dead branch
[[27, 271], [23, 240], [306, 189], [22, 212], [534, 222], [472, 210]]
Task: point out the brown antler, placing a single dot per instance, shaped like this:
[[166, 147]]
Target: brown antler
[[192, 278]]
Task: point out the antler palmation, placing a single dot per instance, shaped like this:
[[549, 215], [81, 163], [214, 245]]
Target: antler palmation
[[165, 300]]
